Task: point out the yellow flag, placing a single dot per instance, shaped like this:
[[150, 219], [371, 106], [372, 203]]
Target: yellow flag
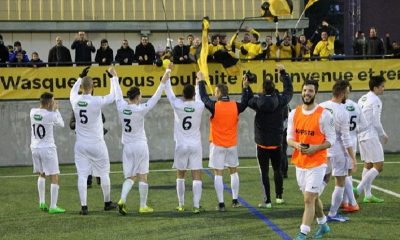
[[280, 7], [309, 4], [202, 61]]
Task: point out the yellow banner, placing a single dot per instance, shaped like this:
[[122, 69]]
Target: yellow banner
[[30, 83]]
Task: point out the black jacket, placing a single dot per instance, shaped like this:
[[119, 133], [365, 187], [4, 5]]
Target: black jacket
[[179, 52], [123, 53], [83, 53], [59, 56], [148, 50], [108, 54], [268, 122], [374, 46], [3, 55]]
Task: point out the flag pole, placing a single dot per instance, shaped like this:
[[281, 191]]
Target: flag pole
[[298, 21]]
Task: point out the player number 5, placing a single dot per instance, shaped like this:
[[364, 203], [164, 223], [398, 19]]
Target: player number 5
[[82, 115]]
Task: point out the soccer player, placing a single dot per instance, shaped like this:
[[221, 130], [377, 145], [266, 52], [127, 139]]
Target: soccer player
[[371, 150], [91, 154], [44, 152], [224, 136], [188, 148], [268, 131], [339, 153], [135, 156], [357, 125], [310, 132]]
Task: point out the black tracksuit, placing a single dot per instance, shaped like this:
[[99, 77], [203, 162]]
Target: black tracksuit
[[268, 132]]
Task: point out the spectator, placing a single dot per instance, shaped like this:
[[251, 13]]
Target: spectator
[[3, 53], [326, 47], [270, 49], [194, 51], [359, 44], [392, 48], [181, 52], [59, 55], [18, 60], [374, 45], [83, 50], [17, 49], [36, 61], [10, 51], [145, 52], [104, 55], [226, 56], [214, 47], [125, 55], [302, 47], [190, 40], [286, 50]]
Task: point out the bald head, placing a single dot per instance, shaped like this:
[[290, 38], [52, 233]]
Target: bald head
[[87, 85], [59, 41]]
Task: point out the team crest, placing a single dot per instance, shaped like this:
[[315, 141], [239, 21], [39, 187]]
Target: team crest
[[350, 108], [38, 117], [127, 112], [188, 109], [330, 110], [82, 104]]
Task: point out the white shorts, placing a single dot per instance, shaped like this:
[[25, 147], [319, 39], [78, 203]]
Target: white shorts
[[92, 158], [339, 165], [188, 157], [221, 157], [310, 180], [45, 160], [371, 151], [135, 159]]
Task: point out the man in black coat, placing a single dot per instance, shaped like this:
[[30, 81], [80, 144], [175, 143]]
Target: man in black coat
[[145, 52], [181, 52], [83, 50], [104, 55], [59, 55], [268, 132], [3, 53], [125, 55]]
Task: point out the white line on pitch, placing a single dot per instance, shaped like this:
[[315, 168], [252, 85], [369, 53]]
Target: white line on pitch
[[381, 189]]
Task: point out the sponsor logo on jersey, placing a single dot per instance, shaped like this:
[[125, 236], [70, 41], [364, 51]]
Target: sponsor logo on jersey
[[82, 104], [127, 112], [188, 109], [350, 108], [38, 117], [363, 99], [330, 110]]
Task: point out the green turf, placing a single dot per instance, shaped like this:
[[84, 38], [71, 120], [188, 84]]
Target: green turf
[[20, 217]]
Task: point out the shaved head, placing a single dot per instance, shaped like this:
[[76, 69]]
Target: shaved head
[[87, 84]]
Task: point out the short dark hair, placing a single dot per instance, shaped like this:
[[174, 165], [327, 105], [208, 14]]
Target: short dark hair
[[311, 82], [103, 41], [133, 92], [46, 98], [256, 36], [214, 36], [339, 87], [223, 89], [188, 91], [375, 81], [268, 87], [17, 43]]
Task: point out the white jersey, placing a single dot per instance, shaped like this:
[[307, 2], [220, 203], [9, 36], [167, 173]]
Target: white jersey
[[371, 107], [187, 117], [342, 129], [325, 122], [42, 122], [87, 111], [357, 120], [132, 115]]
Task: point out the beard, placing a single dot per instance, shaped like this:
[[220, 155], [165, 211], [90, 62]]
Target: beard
[[309, 101]]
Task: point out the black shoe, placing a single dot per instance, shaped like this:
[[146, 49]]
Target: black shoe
[[110, 206], [98, 180], [236, 203], [221, 207], [84, 210], [89, 181]]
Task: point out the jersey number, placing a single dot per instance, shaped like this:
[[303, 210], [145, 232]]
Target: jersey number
[[40, 131], [186, 124], [128, 127], [353, 124], [82, 115]]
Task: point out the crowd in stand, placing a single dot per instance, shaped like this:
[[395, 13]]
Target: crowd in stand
[[322, 45]]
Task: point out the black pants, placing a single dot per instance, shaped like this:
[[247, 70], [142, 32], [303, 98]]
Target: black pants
[[263, 157], [284, 163]]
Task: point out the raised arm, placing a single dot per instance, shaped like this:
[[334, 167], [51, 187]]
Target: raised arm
[[108, 99], [208, 103], [58, 120], [168, 88]]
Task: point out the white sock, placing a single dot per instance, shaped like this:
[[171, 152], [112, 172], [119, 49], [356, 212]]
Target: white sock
[[106, 187], [180, 191], [235, 185], [53, 195], [126, 188], [361, 185], [321, 220], [305, 229], [41, 185], [324, 184], [197, 189], [143, 191], [337, 197], [348, 189], [370, 176], [82, 189], [219, 188]]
